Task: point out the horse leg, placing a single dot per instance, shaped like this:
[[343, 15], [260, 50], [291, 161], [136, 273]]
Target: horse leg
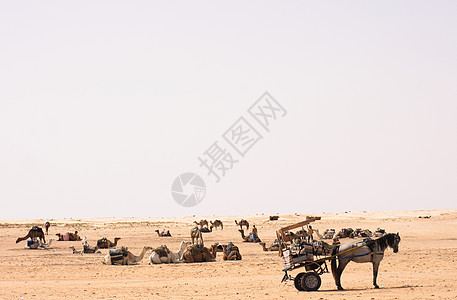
[[339, 271], [375, 272]]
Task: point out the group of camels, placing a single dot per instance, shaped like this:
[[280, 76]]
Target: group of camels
[[189, 252]]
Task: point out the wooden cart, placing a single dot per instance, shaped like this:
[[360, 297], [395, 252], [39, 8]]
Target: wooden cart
[[298, 256]]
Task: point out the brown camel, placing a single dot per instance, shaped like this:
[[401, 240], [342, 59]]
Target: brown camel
[[202, 223], [68, 236], [35, 232], [104, 243], [195, 235], [46, 226], [124, 257], [242, 223], [273, 247], [251, 238], [163, 233], [231, 252], [206, 229], [217, 223], [199, 253]]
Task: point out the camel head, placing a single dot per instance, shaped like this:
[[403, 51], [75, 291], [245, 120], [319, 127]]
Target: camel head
[[18, 240], [157, 230], [117, 239]]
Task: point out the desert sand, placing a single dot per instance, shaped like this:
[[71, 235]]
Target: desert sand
[[424, 268]]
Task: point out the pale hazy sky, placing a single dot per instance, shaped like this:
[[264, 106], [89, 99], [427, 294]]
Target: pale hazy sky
[[104, 103]]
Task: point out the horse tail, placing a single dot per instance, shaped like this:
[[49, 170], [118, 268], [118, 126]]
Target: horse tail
[[333, 260]]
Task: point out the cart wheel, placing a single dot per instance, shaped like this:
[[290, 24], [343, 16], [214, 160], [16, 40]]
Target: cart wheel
[[310, 281], [297, 281]]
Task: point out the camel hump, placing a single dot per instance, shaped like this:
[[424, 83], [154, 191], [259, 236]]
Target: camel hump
[[36, 228]]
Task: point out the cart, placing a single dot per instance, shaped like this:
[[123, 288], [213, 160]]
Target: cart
[[301, 255]]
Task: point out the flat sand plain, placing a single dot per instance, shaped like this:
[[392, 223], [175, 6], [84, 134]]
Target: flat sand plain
[[424, 268]]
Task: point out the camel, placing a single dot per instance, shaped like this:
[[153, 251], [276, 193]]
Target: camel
[[202, 223], [217, 223], [46, 226], [206, 229], [199, 253], [75, 251], [329, 233], [251, 238], [163, 233], [104, 243], [379, 232], [242, 223], [164, 255], [231, 252], [344, 233], [273, 247], [195, 235], [361, 233], [35, 232], [124, 257], [68, 236], [274, 218], [36, 243]]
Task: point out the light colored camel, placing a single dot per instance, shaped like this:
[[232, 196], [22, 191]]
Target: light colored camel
[[171, 257], [199, 253], [217, 223], [75, 251], [273, 247], [37, 244], [35, 232], [195, 235], [242, 223], [163, 233], [128, 259]]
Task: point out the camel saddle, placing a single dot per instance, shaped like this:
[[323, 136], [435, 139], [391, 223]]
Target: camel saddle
[[102, 241], [117, 254], [229, 247], [196, 249], [161, 251]]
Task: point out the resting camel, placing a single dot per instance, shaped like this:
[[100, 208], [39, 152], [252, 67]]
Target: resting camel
[[35, 232], [242, 223], [274, 218], [344, 233], [251, 238], [206, 229], [46, 226], [104, 243], [329, 233], [36, 243], [202, 223], [75, 251], [163, 255], [199, 253], [273, 247], [217, 223], [231, 252], [70, 236], [195, 235], [163, 233], [124, 257]]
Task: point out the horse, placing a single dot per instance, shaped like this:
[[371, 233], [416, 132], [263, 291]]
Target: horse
[[367, 251]]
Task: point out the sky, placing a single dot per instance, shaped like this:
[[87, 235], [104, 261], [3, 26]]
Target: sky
[[103, 104]]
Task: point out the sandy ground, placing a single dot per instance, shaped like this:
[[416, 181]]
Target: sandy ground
[[424, 268]]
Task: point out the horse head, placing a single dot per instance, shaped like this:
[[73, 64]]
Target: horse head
[[395, 241]]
